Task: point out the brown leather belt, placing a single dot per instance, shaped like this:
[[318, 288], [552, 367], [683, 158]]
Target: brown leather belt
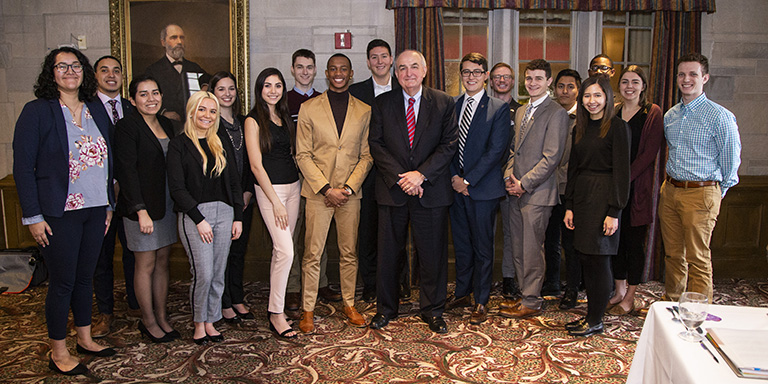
[[691, 184]]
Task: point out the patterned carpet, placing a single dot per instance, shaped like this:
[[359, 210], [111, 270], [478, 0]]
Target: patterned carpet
[[535, 350]]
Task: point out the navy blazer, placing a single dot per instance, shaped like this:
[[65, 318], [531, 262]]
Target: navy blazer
[[434, 144], [41, 156], [485, 151]]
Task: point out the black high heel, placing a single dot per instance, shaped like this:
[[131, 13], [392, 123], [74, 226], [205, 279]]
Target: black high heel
[[283, 334], [143, 329], [244, 315]]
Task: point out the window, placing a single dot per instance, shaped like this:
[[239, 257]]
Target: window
[[628, 40], [465, 31], [543, 35]]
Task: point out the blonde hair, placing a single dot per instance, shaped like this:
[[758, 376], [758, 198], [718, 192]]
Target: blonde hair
[[214, 143]]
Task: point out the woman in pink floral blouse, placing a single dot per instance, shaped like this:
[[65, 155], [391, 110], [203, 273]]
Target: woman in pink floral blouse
[[62, 168]]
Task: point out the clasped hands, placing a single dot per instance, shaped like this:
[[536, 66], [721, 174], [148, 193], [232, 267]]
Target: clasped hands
[[459, 185], [513, 186], [336, 197], [410, 182]]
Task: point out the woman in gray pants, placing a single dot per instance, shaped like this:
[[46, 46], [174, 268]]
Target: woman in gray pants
[[205, 188]]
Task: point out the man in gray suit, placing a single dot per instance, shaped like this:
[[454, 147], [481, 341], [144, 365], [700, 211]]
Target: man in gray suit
[[540, 132]]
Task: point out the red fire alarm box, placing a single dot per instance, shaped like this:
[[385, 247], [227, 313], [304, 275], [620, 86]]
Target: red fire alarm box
[[343, 40]]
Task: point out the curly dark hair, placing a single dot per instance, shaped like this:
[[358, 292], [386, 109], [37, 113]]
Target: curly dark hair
[[46, 87]]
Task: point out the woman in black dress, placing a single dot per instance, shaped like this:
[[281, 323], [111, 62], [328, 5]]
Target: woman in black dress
[[596, 192]]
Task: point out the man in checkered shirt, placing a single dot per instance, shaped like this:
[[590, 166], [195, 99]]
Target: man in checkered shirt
[[704, 157]]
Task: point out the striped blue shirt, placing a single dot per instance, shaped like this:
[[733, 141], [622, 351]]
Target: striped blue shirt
[[704, 143]]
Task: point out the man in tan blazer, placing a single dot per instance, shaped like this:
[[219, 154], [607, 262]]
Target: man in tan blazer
[[332, 153]]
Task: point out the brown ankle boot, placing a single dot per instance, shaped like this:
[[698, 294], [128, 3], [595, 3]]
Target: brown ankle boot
[[307, 323]]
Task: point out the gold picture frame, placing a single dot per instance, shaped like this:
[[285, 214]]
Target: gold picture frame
[[122, 14]]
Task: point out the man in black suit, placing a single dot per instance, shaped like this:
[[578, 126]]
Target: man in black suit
[[380, 63], [413, 138], [109, 78], [177, 77]]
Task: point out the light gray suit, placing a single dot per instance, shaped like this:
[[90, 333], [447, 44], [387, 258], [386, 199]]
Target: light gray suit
[[534, 158]]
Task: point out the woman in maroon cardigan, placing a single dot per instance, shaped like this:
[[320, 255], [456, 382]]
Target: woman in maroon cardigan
[[646, 124]]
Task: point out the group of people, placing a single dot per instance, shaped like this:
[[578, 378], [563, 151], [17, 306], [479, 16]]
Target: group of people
[[381, 157]]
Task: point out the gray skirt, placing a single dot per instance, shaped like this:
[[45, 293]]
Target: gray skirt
[[164, 233]]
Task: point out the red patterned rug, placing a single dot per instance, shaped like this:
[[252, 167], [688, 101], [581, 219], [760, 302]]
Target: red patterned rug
[[535, 350]]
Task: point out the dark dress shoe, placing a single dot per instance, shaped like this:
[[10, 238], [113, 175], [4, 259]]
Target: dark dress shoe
[[519, 312], [576, 324], [328, 294], [216, 338], [369, 295], [458, 302], [143, 329], [202, 341], [106, 352], [436, 323], [570, 300], [244, 315], [479, 315], [292, 301], [173, 334], [405, 292], [586, 330], [233, 320], [379, 321], [509, 288], [79, 369]]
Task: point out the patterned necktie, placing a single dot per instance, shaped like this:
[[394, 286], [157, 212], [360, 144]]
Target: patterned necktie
[[410, 118], [115, 116], [466, 119], [526, 120]]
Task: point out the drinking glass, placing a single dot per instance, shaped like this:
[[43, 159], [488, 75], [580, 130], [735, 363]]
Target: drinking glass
[[693, 312]]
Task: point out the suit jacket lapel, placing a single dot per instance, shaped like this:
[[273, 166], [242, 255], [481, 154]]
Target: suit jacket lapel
[[536, 114], [328, 113], [478, 117], [399, 112], [147, 131], [423, 121], [195, 153], [61, 124]]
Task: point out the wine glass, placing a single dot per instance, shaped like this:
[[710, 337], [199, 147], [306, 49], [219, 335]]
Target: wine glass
[[693, 312]]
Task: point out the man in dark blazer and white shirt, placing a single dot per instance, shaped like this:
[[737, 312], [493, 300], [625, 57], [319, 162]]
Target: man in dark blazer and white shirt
[[540, 132], [109, 78], [478, 183], [380, 63], [173, 72], [413, 138]]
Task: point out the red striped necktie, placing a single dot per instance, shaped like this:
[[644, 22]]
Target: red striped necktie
[[410, 118]]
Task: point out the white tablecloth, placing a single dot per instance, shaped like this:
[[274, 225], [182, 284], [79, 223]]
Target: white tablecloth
[[662, 357]]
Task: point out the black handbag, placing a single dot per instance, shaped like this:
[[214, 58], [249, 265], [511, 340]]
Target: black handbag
[[20, 269]]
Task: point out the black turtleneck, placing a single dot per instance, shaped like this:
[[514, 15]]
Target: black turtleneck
[[339, 103]]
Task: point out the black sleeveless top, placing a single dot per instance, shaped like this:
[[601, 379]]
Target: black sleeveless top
[[278, 162]]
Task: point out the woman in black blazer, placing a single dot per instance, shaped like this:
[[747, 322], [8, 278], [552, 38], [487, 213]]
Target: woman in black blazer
[[141, 141], [62, 169], [224, 87]]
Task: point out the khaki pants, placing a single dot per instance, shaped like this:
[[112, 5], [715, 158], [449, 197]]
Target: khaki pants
[[318, 223], [688, 216]]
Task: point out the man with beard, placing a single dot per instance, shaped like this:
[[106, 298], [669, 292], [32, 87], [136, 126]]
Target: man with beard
[[177, 77]]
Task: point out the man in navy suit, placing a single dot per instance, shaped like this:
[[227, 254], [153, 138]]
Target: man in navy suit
[[477, 180], [412, 140], [109, 78]]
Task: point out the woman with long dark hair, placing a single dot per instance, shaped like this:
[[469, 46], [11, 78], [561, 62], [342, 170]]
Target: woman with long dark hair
[[224, 86], [270, 137], [646, 126], [62, 168], [596, 192], [144, 202], [205, 188]]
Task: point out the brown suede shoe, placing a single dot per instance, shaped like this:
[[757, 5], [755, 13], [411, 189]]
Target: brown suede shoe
[[307, 323], [100, 327], [355, 318], [479, 315], [509, 304], [520, 311]]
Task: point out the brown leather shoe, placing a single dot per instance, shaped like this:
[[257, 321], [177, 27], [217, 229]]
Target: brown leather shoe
[[100, 327], [328, 294], [292, 301], [519, 312], [458, 302], [479, 315], [307, 323], [355, 318], [509, 304]]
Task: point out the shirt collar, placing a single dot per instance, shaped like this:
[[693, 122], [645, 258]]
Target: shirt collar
[[538, 102], [476, 97], [695, 102], [573, 109], [417, 96], [171, 59], [104, 98], [300, 92]]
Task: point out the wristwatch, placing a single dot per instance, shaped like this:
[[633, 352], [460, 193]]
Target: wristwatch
[[465, 181]]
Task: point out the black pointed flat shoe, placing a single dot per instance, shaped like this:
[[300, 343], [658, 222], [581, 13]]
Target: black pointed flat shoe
[[202, 341], [106, 352], [164, 339], [79, 369], [233, 320], [216, 338], [244, 315]]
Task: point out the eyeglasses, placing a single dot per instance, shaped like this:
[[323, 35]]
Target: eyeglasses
[[596, 68], [476, 72], [499, 77], [63, 68]]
